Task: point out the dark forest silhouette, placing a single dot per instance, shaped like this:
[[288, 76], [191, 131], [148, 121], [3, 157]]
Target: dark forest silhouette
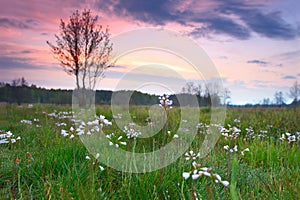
[[20, 92]]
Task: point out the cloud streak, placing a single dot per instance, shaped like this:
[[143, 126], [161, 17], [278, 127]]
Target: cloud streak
[[287, 77], [15, 23], [238, 19], [14, 63], [267, 24], [222, 26], [258, 62]]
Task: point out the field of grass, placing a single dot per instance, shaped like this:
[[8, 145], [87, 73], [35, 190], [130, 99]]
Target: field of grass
[[42, 157]]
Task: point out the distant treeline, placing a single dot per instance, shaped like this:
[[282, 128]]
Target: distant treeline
[[32, 94], [22, 93]]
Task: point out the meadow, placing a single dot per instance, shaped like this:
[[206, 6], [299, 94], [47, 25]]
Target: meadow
[[42, 157]]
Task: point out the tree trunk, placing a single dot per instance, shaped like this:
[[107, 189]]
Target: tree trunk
[[77, 82]]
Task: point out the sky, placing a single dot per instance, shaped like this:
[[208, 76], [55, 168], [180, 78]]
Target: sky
[[254, 44]]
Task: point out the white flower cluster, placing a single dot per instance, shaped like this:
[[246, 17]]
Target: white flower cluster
[[115, 140], [250, 133], [174, 136], [25, 121], [118, 116], [92, 126], [236, 121], [245, 150], [61, 114], [130, 131], [87, 128], [103, 121], [263, 132], [231, 132], [96, 161], [64, 133], [290, 137], [29, 122], [235, 149], [8, 137], [165, 102], [199, 171], [191, 155], [202, 128], [60, 124]]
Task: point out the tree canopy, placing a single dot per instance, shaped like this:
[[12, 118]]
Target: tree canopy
[[83, 48]]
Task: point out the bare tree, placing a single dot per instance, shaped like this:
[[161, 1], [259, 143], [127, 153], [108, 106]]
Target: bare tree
[[24, 82], [16, 82], [19, 82], [266, 101], [192, 88], [189, 87], [210, 92], [227, 96], [213, 91], [83, 48], [197, 90], [295, 91], [279, 99]]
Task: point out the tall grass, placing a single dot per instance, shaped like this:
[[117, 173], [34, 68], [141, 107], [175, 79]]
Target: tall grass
[[46, 165]]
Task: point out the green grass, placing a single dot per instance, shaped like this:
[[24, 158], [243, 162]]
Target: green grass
[[46, 165]]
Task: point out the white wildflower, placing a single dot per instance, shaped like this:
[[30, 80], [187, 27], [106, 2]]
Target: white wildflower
[[225, 183], [236, 120], [226, 147], [206, 173], [186, 175], [195, 176], [235, 148], [64, 133]]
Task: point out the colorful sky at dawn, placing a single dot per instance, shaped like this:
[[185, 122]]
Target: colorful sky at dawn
[[254, 44]]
